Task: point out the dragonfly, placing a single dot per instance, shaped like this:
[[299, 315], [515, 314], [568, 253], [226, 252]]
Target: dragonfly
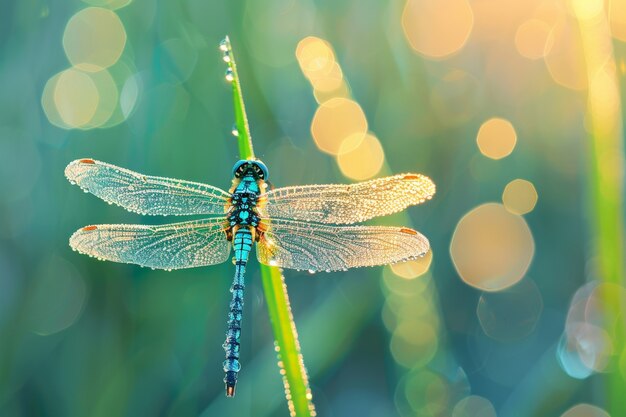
[[309, 228]]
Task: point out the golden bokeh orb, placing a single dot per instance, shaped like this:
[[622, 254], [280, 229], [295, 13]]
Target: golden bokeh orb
[[94, 39], [531, 39], [519, 196], [76, 98], [565, 59], [415, 268], [315, 57], [437, 29], [336, 120], [363, 161], [491, 248], [496, 138]]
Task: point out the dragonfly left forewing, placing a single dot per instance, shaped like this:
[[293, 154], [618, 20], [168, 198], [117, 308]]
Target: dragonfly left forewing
[[347, 203], [146, 194], [171, 246], [317, 247]]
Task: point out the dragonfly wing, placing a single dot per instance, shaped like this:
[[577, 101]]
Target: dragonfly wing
[[348, 203], [170, 246], [318, 247], [145, 194]]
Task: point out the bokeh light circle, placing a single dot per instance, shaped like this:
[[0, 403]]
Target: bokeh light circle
[[511, 314], [474, 406], [565, 59], [585, 410], [414, 343], [496, 138], [427, 393], [334, 121], [57, 297], [76, 97], [491, 248], [415, 268], [94, 39], [315, 57], [531, 39], [519, 196], [439, 28], [363, 161]]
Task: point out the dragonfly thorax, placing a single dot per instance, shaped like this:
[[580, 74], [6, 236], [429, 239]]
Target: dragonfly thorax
[[244, 200]]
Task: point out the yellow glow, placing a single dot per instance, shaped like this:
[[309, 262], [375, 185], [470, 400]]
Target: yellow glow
[[474, 406], [413, 269], [491, 248], [496, 138], [585, 410], [361, 162], [519, 196], [604, 99], [531, 39], [439, 28], [76, 98], [334, 121], [587, 9], [617, 17], [94, 39]]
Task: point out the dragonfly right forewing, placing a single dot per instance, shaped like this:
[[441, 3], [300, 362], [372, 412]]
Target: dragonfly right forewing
[[345, 204]]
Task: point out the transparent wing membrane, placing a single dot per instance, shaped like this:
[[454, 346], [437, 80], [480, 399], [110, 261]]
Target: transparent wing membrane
[[316, 247], [145, 194], [349, 203], [171, 246]]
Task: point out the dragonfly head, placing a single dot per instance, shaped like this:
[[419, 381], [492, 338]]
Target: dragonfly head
[[256, 167]]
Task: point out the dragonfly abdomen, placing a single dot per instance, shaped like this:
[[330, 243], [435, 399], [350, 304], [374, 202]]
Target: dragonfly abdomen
[[242, 244]]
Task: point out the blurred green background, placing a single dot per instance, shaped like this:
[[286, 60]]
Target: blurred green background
[[511, 107]]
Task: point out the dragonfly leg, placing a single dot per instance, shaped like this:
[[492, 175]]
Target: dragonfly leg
[[242, 244]]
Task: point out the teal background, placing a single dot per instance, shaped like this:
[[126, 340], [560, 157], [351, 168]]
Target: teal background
[[80, 337]]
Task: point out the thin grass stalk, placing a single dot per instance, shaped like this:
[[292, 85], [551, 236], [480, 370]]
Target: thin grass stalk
[[287, 346]]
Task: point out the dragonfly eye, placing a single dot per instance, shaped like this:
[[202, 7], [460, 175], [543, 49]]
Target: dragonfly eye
[[264, 174], [257, 167]]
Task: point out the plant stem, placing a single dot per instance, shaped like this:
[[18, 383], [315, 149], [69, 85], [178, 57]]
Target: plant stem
[[290, 360], [606, 165]]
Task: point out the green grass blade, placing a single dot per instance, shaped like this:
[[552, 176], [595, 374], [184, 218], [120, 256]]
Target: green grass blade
[[290, 360], [606, 167], [244, 139]]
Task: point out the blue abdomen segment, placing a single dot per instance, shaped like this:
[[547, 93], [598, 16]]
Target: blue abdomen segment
[[242, 244]]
